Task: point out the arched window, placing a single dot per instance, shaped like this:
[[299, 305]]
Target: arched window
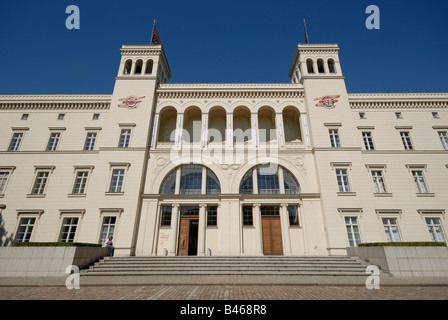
[[213, 186], [169, 184], [331, 66], [148, 69], [268, 181], [246, 185], [309, 66], [127, 67], [320, 66], [138, 67], [191, 176]]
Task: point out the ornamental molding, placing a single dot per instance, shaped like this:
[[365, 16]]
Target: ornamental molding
[[55, 102], [398, 100], [144, 49], [230, 91]]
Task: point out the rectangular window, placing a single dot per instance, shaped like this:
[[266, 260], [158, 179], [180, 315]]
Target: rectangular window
[[435, 229], [15, 141], [212, 216], [368, 140], [419, 180], [90, 141], [61, 116], [354, 237], [444, 139], [25, 116], [107, 229], [293, 216], [116, 183], [378, 181], [391, 229], [247, 216], [68, 230], [435, 115], [53, 141], [406, 139], [342, 177], [80, 182], [398, 115], [40, 182], [3, 179], [25, 229], [125, 138], [166, 216], [96, 116], [334, 138], [362, 115]]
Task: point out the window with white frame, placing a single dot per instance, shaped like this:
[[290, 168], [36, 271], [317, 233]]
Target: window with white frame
[[435, 229], [378, 181], [342, 179], [15, 141], [25, 229], [116, 183], [80, 182], [352, 227], [125, 138], [391, 229], [68, 229], [40, 182], [368, 140], [89, 145], [406, 139], [107, 228], [444, 139], [5, 174], [420, 182], [53, 141], [117, 179], [334, 138]]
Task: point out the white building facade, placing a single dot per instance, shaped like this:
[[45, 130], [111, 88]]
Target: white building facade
[[303, 168]]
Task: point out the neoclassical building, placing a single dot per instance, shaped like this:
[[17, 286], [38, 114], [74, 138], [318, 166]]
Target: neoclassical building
[[301, 168]]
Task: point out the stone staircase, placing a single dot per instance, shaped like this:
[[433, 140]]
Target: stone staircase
[[266, 265]]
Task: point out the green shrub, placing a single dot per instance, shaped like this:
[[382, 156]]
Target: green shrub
[[55, 244], [403, 244]]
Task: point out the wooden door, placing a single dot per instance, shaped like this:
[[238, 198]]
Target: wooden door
[[272, 235], [183, 237]]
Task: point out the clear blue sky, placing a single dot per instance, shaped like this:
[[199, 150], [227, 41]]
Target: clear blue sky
[[221, 42]]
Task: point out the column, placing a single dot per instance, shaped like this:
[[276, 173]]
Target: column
[[326, 70], [174, 228], [284, 216], [258, 230], [315, 68], [254, 126], [280, 129], [201, 231], [179, 127], [155, 241]]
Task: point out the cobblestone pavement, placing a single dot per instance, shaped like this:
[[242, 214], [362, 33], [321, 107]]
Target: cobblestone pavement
[[224, 292]]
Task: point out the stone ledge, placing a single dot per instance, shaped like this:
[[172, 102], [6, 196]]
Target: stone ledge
[[403, 261], [46, 261]]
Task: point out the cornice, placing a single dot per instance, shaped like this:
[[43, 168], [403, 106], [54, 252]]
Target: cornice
[[229, 91], [398, 100], [55, 102]]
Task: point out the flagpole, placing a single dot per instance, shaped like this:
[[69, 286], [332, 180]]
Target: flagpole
[[152, 33], [306, 33]]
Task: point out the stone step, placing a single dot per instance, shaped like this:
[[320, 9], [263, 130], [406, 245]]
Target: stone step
[[266, 265]]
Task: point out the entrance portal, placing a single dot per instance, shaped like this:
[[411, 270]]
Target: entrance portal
[[188, 231], [271, 230]]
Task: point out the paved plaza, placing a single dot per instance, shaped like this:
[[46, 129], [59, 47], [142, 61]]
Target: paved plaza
[[224, 288]]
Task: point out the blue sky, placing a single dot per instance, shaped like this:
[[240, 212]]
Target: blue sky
[[221, 42]]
